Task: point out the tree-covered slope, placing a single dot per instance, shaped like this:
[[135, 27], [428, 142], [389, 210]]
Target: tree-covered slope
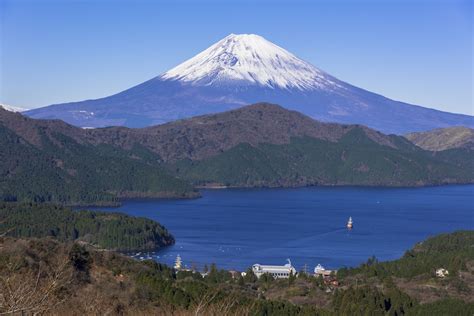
[[258, 145], [353, 160], [463, 158], [107, 230], [58, 168], [450, 251]]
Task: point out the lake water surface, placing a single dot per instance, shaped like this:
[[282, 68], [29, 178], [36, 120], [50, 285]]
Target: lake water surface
[[236, 228]]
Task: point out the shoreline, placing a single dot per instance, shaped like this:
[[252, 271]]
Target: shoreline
[[134, 196], [151, 254], [232, 204], [198, 195], [221, 187]]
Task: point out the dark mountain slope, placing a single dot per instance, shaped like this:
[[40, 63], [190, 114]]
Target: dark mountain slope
[[206, 136], [257, 145], [266, 145], [309, 161], [48, 161]]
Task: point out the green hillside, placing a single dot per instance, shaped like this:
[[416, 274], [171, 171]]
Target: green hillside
[[353, 160], [450, 251], [107, 230], [257, 145], [63, 170]]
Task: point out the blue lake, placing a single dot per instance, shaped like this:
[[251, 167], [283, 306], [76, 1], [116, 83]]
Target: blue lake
[[236, 228]]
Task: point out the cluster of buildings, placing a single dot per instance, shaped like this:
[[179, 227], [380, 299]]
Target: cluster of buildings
[[285, 271], [276, 271]]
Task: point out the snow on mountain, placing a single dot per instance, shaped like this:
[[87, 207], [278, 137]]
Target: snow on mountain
[[244, 69], [12, 108], [249, 59]]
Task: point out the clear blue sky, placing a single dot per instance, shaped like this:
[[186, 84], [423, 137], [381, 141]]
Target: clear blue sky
[[58, 51]]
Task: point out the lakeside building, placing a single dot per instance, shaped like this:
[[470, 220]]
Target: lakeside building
[[442, 273], [278, 272], [319, 270], [178, 264]]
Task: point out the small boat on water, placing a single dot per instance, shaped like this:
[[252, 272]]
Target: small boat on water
[[350, 223]]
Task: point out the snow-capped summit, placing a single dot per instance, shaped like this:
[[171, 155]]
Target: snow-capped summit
[[249, 59], [12, 108], [245, 69]]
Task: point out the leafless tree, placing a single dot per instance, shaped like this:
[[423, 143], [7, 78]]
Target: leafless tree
[[204, 303], [30, 292]]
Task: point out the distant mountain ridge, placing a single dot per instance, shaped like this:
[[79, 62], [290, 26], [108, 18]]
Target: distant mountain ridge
[[208, 135], [444, 138], [261, 145], [204, 136], [245, 69]]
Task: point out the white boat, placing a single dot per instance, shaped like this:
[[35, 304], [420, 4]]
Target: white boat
[[350, 223]]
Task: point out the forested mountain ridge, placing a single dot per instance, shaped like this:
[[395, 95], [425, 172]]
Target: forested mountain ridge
[[354, 160], [258, 145], [203, 136], [50, 161]]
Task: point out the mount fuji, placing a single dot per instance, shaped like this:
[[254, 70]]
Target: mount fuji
[[244, 69]]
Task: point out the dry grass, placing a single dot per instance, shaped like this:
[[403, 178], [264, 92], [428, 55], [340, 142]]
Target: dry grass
[[37, 278]]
